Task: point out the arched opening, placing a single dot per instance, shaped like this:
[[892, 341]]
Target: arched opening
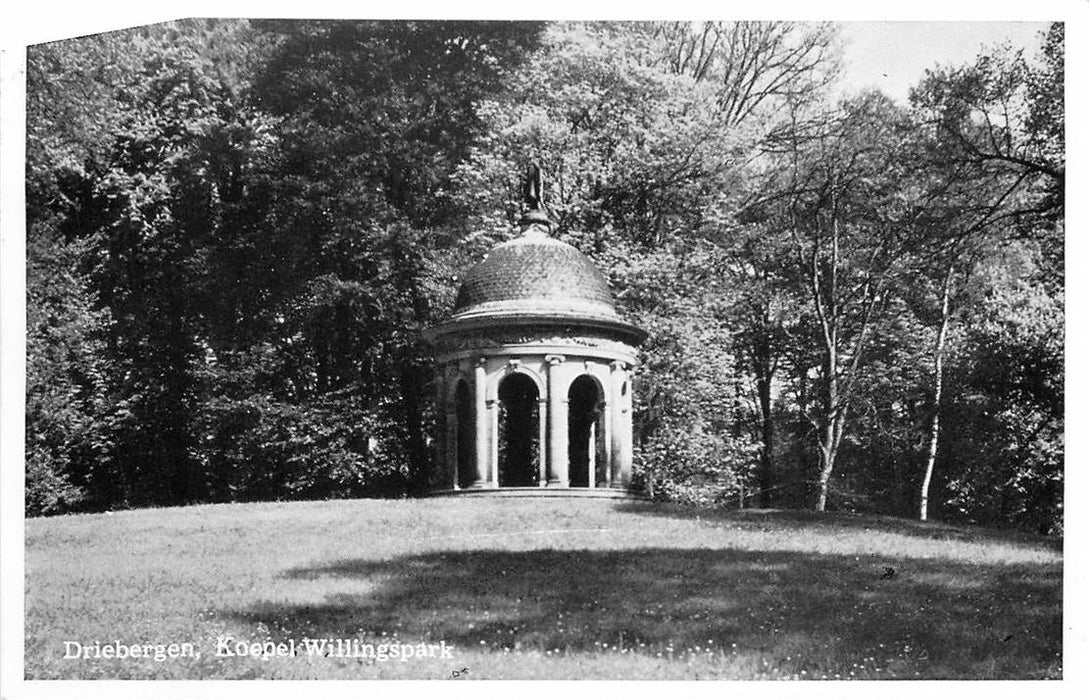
[[519, 422], [464, 435], [586, 432]]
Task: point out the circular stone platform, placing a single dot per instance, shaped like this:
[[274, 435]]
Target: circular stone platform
[[535, 492]]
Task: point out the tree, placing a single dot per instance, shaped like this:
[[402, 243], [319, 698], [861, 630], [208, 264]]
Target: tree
[[998, 153], [375, 118], [758, 72], [1003, 116], [763, 318], [1004, 462], [68, 418], [842, 206], [112, 173], [755, 66], [265, 194]]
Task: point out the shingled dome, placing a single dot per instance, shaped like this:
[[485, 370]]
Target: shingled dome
[[536, 280], [535, 273]]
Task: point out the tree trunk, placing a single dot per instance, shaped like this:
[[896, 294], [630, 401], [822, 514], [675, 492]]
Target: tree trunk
[[830, 319], [803, 466], [833, 432], [828, 441], [935, 418], [827, 462]]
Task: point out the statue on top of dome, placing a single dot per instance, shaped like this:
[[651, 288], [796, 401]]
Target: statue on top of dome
[[533, 187], [535, 219]]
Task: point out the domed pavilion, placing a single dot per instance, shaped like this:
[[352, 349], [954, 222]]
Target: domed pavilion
[[534, 370]]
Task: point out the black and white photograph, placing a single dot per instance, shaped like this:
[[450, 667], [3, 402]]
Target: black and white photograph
[[596, 347]]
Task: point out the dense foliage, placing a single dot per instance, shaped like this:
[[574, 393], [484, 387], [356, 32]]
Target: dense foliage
[[238, 229]]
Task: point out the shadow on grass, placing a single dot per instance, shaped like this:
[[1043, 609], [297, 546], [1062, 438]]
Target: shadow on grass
[[833, 614], [757, 518]]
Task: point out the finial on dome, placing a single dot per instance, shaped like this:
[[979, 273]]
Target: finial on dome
[[533, 193]]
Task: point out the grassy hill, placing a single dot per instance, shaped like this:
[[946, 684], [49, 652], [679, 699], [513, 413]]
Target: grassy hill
[[540, 588]]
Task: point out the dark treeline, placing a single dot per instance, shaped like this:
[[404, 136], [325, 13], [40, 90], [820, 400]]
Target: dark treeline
[[237, 229]]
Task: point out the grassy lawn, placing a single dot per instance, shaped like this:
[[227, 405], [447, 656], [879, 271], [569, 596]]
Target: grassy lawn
[[542, 588]]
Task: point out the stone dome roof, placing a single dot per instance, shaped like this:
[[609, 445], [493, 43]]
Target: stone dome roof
[[537, 273], [535, 280]]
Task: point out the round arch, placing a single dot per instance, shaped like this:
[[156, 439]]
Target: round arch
[[586, 429], [452, 380], [512, 368], [518, 430]]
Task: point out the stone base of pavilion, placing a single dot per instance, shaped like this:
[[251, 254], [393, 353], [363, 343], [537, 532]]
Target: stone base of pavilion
[[545, 492]]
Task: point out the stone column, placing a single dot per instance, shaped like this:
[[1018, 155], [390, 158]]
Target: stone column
[[557, 425], [482, 423], [606, 424], [493, 457], [591, 458], [624, 463], [613, 417], [542, 440], [453, 445]]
